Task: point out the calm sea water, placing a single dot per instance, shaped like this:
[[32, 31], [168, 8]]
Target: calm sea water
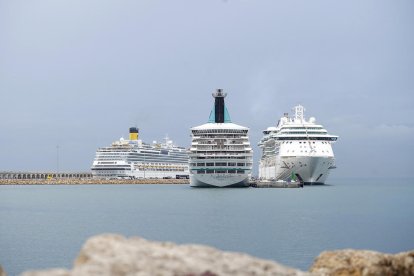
[[45, 226]]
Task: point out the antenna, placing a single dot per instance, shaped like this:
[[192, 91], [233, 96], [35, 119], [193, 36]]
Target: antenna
[[299, 112], [57, 159]]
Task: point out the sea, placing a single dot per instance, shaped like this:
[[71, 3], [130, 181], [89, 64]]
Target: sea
[[44, 226]]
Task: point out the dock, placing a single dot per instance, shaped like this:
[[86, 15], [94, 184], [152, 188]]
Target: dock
[[276, 184], [74, 178]]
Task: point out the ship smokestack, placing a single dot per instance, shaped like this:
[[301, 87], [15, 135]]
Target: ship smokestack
[[133, 133], [219, 105]]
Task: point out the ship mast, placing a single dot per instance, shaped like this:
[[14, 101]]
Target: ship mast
[[299, 113]]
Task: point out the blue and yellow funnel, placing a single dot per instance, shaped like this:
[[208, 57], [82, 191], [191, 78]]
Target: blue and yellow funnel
[[133, 133]]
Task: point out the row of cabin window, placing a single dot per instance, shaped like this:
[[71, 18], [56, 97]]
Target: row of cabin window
[[218, 171], [219, 164], [219, 131], [290, 142], [222, 157]]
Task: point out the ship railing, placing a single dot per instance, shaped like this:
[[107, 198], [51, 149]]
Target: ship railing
[[215, 148], [221, 154]]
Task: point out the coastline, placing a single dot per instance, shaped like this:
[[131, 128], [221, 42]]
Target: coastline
[[90, 181]]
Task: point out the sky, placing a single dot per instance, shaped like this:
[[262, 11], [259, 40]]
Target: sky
[[75, 75]]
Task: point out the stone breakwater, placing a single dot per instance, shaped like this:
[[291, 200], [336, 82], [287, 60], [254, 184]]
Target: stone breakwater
[[89, 181], [116, 255], [363, 262]]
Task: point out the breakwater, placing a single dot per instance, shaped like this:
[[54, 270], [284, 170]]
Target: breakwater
[[89, 181], [43, 175]]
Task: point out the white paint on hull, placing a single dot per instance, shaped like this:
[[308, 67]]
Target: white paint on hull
[[311, 169], [219, 180]]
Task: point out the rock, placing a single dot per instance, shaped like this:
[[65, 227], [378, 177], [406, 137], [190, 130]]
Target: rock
[[2, 272], [363, 262], [115, 255], [54, 272]]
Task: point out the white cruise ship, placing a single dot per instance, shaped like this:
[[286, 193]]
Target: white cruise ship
[[135, 159], [297, 148], [220, 153]]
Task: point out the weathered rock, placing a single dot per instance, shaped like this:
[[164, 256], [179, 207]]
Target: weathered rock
[[363, 262], [115, 255], [54, 272]]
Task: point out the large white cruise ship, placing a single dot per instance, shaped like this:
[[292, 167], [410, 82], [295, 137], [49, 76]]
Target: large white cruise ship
[[297, 148], [135, 159], [220, 153]]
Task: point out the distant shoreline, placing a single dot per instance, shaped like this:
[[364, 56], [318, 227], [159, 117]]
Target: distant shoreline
[[90, 181]]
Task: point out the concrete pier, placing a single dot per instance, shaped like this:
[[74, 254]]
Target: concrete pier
[[276, 184], [74, 178], [44, 175], [90, 181]]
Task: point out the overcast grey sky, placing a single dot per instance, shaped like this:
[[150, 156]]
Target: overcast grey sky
[[79, 73]]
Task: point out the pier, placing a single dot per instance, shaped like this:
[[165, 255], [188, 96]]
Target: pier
[[90, 181], [44, 175], [74, 178], [276, 184]]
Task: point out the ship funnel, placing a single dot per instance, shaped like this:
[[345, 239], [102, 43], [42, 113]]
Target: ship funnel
[[133, 133], [219, 114]]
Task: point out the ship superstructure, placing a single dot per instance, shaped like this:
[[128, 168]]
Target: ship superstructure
[[297, 148], [135, 159], [220, 153]]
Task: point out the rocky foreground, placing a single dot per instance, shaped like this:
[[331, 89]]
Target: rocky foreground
[[115, 255]]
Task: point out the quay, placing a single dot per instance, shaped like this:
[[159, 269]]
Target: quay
[[74, 178], [90, 181], [276, 184], [44, 175]]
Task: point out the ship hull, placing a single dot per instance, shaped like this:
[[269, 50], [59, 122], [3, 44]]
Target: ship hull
[[123, 170], [134, 174], [225, 180], [311, 170]]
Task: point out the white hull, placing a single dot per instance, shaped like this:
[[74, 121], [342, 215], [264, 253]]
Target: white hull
[[311, 169], [220, 152], [122, 169], [297, 148], [222, 180], [135, 174], [132, 159]]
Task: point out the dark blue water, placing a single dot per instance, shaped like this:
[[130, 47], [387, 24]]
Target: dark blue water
[[45, 226]]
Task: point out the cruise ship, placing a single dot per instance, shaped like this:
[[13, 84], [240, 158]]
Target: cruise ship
[[220, 153], [297, 148], [130, 159]]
